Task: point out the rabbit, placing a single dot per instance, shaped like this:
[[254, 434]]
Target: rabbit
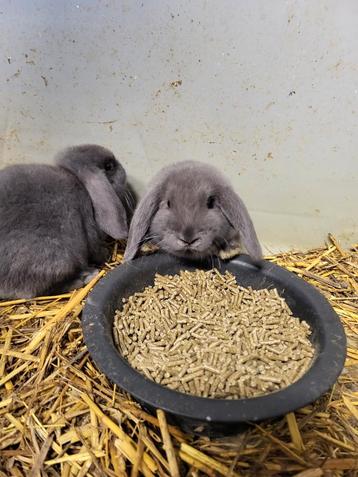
[[55, 220], [190, 210]]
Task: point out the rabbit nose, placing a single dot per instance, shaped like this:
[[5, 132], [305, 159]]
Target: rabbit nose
[[187, 236], [190, 241]]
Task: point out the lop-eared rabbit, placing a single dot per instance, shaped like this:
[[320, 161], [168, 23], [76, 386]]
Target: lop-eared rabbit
[[54, 220], [190, 210]]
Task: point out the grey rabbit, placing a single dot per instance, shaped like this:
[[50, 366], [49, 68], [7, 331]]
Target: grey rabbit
[[54, 220], [190, 210]]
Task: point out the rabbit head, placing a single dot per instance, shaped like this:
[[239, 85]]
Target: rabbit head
[[105, 181], [190, 210]]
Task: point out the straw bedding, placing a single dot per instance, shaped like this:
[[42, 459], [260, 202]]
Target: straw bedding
[[59, 416]]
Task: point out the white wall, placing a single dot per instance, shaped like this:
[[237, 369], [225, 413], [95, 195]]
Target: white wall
[[268, 93]]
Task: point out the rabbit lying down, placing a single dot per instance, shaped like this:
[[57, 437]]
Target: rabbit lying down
[[54, 220], [190, 210]]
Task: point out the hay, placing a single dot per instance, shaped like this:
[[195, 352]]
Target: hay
[[60, 417]]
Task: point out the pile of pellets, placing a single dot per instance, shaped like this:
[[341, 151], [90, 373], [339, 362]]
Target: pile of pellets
[[200, 333]]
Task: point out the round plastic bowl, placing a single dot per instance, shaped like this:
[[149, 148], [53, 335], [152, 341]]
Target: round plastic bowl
[[204, 414]]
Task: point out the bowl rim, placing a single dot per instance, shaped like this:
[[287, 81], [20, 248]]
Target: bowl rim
[[318, 379]]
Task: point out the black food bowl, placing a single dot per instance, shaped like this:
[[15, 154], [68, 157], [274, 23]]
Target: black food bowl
[[205, 414]]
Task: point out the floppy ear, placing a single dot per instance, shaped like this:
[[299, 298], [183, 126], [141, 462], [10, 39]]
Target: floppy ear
[[141, 221], [236, 213], [109, 212]]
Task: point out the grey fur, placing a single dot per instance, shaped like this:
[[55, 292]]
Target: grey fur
[[54, 220], [188, 228]]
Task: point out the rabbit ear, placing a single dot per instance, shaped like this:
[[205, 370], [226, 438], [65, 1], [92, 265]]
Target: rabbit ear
[[109, 212], [236, 213], [141, 221]]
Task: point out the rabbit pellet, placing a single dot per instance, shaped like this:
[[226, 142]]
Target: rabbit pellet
[[200, 333]]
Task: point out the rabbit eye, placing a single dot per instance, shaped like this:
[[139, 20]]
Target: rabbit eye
[[210, 202], [168, 204], [109, 164]]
